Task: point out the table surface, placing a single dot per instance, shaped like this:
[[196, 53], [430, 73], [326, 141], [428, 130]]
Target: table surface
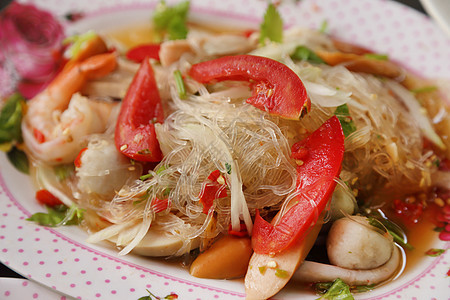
[[6, 272]]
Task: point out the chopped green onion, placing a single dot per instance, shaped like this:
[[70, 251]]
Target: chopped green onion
[[78, 41], [179, 83], [425, 89], [362, 288], [393, 229], [272, 26], [228, 166], [376, 56], [323, 26], [281, 273], [262, 270], [304, 53]]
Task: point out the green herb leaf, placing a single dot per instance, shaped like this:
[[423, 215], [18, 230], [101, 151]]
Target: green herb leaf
[[376, 56], [171, 296], [262, 270], [272, 26], [58, 215], [179, 83], [19, 160], [10, 120], [171, 20], [435, 252], [304, 53], [343, 114], [337, 290]]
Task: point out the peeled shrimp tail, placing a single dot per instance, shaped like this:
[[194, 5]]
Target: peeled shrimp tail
[[57, 120]]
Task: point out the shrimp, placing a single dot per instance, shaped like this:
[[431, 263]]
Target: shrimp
[[58, 118]]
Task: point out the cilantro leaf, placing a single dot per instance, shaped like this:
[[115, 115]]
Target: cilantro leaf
[[343, 114], [58, 215], [338, 290], [304, 53], [171, 20], [272, 26]]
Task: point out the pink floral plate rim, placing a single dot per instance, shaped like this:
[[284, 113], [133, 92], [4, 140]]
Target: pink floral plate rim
[[15, 232]]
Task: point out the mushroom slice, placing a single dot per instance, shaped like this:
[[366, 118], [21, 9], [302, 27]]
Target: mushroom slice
[[317, 272]]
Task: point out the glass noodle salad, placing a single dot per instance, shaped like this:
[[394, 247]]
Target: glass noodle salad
[[272, 155]]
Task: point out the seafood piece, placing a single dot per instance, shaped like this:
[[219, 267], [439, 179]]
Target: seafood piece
[[362, 63], [57, 119], [171, 51], [317, 272], [102, 170]]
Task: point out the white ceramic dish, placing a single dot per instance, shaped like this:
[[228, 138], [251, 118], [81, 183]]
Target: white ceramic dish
[[61, 259], [439, 10], [15, 288]]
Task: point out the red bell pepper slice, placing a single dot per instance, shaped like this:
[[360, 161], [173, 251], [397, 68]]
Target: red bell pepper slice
[[275, 87], [139, 53], [135, 134], [322, 154], [211, 190]]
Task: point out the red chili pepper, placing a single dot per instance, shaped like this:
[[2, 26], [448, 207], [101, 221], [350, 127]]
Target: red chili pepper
[[159, 205], [39, 136], [276, 88], [135, 134], [410, 212], [44, 197], [77, 161], [211, 190], [139, 53], [242, 230], [322, 155]]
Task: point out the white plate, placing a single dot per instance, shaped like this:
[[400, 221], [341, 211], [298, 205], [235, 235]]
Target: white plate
[[59, 258], [15, 288], [440, 11]]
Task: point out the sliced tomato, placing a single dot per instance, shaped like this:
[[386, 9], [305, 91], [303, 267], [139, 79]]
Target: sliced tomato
[[276, 88], [140, 52], [141, 108], [44, 197], [321, 154]]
